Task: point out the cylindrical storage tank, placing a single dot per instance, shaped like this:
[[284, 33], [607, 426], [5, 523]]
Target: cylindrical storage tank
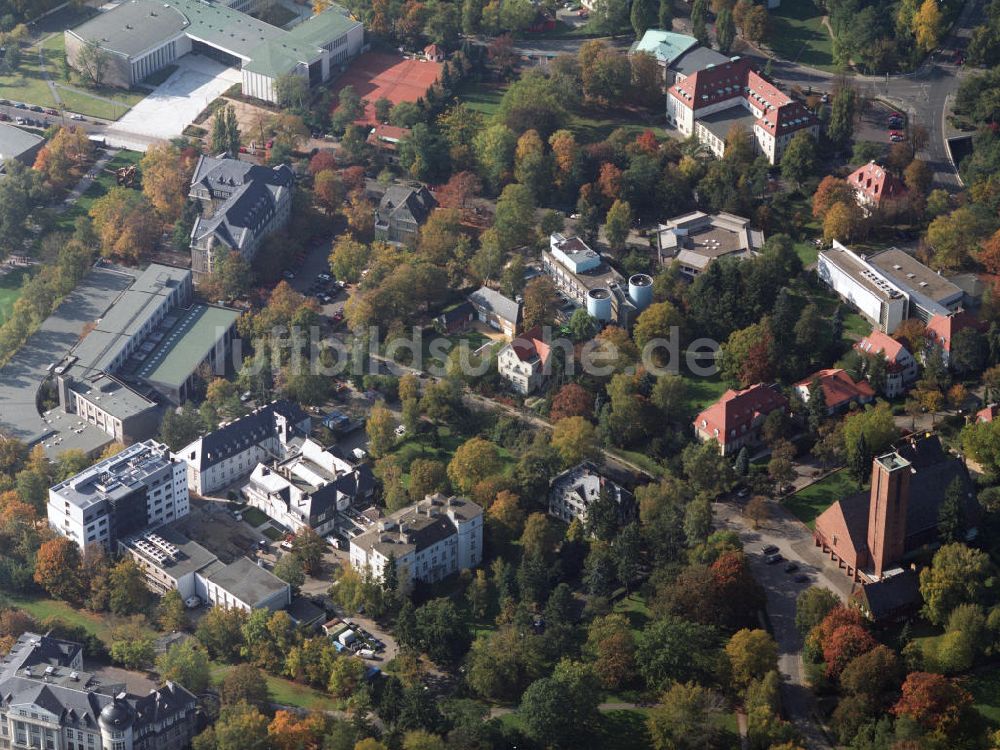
[[640, 290], [599, 304]]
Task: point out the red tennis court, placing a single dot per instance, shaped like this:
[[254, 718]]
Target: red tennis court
[[376, 74]]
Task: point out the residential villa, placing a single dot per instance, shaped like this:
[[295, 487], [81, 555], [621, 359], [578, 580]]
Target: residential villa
[[900, 364], [840, 391], [735, 419]]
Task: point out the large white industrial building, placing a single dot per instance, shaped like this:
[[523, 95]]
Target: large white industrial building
[[139, 37]]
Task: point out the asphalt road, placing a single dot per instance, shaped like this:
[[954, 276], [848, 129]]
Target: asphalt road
[[795, 544], [926, 95]]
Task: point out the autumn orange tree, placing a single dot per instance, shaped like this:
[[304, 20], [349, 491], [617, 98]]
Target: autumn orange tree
[[935, 702], [125, 223], [288, 731], [830, 190], [166, 178], [572, 400], [329, 191], [62, 158], [57, 569]]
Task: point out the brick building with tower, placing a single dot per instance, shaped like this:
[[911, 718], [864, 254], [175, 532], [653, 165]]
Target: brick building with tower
[[871, 534]]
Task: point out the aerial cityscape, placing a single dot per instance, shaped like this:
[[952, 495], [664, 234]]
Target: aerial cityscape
[[499, 375]]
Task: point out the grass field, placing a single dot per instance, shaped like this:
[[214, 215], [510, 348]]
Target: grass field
[[98, 189], [809, 502], [856, 326], [985, 689], [10, 290], [42, 608], [254, 516], [798, 34], [74, 98], [807, 252], [285, 692], [480, 97], [703, 391]]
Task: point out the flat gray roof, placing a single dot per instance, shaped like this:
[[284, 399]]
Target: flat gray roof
[[112, 396], [14, 141], [22, 376], [720, 123], [697, 59], [245, 580], [134, 26], [116, 476], [906, 270], [186, 345]]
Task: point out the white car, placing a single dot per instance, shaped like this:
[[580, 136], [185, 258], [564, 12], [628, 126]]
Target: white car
[[76, 117], [359, 454], [401, 430]]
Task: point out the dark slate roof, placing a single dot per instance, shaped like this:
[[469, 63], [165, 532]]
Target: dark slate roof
[[405, 203], [78, 698], [304, 612], [461, 311], [697, 59], [492, 301], [892, 595], [250, 194], [239, 434]]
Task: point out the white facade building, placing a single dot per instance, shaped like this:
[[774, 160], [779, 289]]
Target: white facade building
[[429, 540], [309, 489], [224, 455], [521, 363], [575, 490], [140, 487]]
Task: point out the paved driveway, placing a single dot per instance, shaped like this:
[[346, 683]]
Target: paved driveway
[[178, 100], [795, 543]]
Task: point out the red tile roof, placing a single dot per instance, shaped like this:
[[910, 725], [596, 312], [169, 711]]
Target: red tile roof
[[988, 413], [876, 342], [838, 387], [737, 410], [387, 136], [432, 50], [737, 80], [942, 329], [530, 345], [877, 183]]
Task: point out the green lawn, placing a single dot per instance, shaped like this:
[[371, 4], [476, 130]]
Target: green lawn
[[41, 608], [97, 189], [272, 533], [74, 97], [798, 34], [634, 608], [807, 252], [254, 516], [10, 290], [285, 692], [481, 97], [808, 503], [856, 326], [703, 392], [985, 689]]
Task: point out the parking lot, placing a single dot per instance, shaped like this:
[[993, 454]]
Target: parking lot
[[873, 124]]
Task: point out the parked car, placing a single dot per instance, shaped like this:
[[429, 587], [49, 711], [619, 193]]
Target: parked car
[[323, 276], [21, 105], [400, 430], [245, 396], [773, 559], [897, 138], [78, 118], [769, 549], [36, 108], [791, 567]]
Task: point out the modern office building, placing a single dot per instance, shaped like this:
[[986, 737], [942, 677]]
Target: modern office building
[[712, 101], [136, 38], [696, 239], [232, 451], [145, 351], [889, 286], [575, 490], [51, 703], [241, 204], [309, 489], [141, 487], [428, 540]]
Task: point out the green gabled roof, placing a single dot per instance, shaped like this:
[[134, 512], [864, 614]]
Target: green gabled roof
[[666, 46]]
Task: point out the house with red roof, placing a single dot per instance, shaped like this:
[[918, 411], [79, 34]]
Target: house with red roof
[[876, 188], [839, 390], [386, 139], [942, 329], [522, 362], [434, 53], [735, 419], [710, 102], [988, 413], [900, 364]]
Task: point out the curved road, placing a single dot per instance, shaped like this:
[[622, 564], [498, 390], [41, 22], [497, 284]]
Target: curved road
[[925, 95]]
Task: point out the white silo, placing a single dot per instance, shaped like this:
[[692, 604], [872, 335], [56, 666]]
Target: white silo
[[640, 290], [599, 304]]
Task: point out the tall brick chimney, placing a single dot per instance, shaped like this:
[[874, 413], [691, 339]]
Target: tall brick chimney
[[887, 510]]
